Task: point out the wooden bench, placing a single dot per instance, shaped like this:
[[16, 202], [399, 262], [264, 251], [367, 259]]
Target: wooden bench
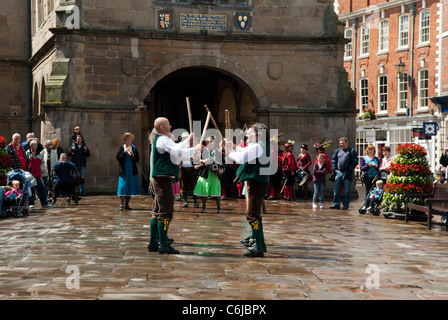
[[436, 203]]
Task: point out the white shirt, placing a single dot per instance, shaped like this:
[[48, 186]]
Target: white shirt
[[247, 154], [179, 150]]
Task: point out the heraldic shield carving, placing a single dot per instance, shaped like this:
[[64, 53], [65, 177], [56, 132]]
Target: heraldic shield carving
[[164, 20], [242, 21]]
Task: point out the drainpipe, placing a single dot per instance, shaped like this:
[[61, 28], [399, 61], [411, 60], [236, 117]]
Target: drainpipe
[[354, 42], [411, 75]]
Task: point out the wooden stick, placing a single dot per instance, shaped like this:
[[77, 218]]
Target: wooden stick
[[228, 126], [213, 119], [284, 184], [205, 127], [190, 119]]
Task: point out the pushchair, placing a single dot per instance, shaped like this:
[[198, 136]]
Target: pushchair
[[375, 207], [19, 206]]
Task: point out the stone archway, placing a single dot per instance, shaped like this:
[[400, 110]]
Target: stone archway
[[258, 94], [218, 83]]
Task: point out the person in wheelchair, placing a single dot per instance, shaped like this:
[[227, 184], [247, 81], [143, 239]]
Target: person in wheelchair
[[62, 178]]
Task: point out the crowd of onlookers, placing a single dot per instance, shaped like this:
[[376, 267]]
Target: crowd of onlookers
[[47, 162]]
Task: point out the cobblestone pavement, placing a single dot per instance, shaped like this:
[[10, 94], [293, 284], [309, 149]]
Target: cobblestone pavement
[[94, 251]]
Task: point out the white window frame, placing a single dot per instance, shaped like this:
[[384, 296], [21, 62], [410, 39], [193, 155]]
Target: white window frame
[[382, 95], [424, 30], [402, 94], [363, 94], [348, 46], [403, 31], [423, 88], [364, 45], [383, 36], [398, 136]]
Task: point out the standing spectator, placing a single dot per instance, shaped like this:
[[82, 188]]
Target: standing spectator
[[387, 160], [18, 153], [369, 166], [128, 182], [36, 168], [49, 158], [30, 136], [79, 154], [289, 169], [444, 162], [319, 173], [343, 163], [304, 162], [57, 146]]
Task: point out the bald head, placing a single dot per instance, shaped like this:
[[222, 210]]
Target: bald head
[[162, 125]]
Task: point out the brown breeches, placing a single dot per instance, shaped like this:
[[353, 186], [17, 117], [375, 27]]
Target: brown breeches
[[161, 189], [255, 192]]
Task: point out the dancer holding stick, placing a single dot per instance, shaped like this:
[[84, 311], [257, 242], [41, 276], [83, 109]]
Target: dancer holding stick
[[255, 179], [163, 171]]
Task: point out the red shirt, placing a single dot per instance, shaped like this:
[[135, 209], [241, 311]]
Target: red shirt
[[21, 156]]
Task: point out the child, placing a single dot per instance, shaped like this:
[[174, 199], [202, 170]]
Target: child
[[319, 173], [15, 192], [374, 195], [440, 178], [77, 132]]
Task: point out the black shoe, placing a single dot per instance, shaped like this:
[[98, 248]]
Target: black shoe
[[254, 253], [344, 208], [196, 205], [128, 208], [168, 250], [185, 205], [153, 247], [121, 208], [335, 207]]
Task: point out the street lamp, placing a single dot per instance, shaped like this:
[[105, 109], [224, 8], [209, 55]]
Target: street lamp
[[409, 79], [400, 68]]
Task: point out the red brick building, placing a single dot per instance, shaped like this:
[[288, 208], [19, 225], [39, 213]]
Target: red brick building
[[383, 34]]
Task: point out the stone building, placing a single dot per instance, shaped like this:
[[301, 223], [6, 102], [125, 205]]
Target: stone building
[[15, 73], [382, 36], [112, 66]]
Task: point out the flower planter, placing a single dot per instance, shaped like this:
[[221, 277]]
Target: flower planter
[[410, 174]]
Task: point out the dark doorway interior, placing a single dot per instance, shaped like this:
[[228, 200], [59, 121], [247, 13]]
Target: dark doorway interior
[[200, 85]]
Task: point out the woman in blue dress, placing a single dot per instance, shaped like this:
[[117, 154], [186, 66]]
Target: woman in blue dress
[[128, 181]]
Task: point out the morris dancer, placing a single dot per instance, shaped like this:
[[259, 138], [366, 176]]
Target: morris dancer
[[163, 171], [256, 181]]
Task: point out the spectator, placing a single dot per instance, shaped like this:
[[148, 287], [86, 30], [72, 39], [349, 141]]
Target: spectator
[[444, 162], [369, 166], [343, 163], [77, 132], [387, 160], [49, 158], [18, 153], [57, 146], [36, 168], [79, 154], [30, 136]]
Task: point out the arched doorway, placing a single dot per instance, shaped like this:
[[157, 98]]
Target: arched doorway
[[217, 89], [203, 86]]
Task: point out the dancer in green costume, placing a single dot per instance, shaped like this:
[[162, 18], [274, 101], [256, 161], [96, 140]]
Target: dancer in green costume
[[255, 174], [164, 169], [208, 184]]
